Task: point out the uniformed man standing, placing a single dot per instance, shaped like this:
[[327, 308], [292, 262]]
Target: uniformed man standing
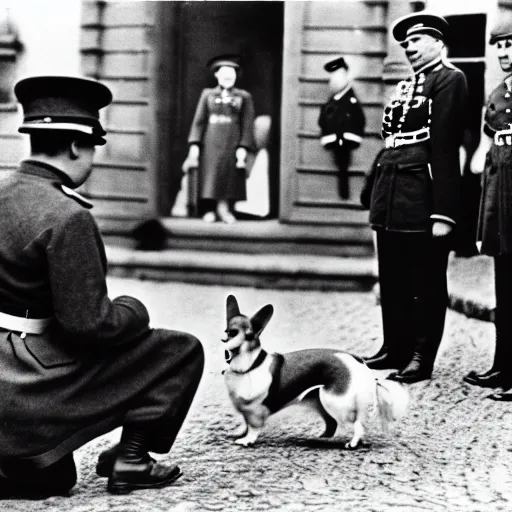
[[415, 199], [495, 222], [341, 121], [75, 364]]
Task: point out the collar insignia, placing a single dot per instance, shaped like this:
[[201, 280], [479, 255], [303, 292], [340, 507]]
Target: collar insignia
[[76, 196]]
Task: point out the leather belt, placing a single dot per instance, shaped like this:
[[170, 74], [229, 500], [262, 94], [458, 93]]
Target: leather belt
[[503, 137], [24, 325], [402, 139]]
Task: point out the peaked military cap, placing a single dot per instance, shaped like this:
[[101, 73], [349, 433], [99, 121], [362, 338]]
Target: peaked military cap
[[502, 29], [63, 103], [231, 60], [333, 65], [419, 23]]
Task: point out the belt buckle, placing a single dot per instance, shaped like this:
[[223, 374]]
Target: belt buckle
[[503, 139], [402, 141]]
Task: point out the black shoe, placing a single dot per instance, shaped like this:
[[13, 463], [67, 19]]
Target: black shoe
[[106, 460], [489, 379], [147, 474], [382, 351], [383, 361], [415, 371], [504, 395]]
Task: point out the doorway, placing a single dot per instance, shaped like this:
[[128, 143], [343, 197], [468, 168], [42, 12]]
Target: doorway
[[254, 30], [468, 54]]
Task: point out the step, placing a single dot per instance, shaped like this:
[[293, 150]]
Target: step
[[266, 270], [253, 237]]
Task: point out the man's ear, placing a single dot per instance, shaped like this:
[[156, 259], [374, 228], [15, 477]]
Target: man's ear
[[74, 150]]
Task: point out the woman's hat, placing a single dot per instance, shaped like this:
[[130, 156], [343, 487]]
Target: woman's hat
[[231, 60]]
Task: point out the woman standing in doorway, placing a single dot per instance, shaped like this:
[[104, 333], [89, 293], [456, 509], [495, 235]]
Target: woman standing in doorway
[[220, 138]]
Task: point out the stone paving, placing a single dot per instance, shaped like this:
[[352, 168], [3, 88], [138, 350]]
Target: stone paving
[[453, 451]]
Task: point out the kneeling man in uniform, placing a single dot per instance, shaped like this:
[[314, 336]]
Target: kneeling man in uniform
[[75, 364]]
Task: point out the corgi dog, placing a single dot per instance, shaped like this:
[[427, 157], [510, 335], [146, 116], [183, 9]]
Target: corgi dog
[[339, 386]]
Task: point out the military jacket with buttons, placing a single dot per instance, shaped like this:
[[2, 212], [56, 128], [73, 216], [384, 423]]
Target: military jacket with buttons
[[498, 111], [342, 121], [223, 122], [416, 184], [495, 218]]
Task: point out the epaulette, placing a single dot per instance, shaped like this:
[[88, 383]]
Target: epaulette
[[76, 196]]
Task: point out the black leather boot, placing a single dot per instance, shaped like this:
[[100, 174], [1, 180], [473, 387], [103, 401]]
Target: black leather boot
[[490, 379], [421, 364], [133, 467], [23, 481], [106, 460], [417, 370], [384, 359], [427, 340]]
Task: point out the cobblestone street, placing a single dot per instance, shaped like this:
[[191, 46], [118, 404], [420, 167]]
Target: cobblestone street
[[453, 451]]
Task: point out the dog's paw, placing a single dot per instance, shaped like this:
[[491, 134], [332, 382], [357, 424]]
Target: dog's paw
[[240, 431], [360, 445], [243, 441]]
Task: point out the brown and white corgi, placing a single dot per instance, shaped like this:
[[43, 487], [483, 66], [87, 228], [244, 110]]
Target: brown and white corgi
[[339, 386]]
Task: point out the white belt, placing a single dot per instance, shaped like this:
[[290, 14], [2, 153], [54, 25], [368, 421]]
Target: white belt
[[503, 137], [25, 325], [220, 119], [328, 139], [402, 139]]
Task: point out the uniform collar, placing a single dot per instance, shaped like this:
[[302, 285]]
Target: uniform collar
[[341, 93], [44, 170], [52, 173], [508, 83], [431, 66], [228, 92]]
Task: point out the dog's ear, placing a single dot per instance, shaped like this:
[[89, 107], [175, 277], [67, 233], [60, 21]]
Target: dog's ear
[[260, 320], [231, 307]]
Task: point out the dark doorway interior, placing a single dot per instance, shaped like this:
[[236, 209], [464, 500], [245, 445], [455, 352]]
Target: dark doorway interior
[[468, 54], [255, 31]]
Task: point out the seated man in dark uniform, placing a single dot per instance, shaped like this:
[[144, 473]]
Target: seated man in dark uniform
[[74, 363]]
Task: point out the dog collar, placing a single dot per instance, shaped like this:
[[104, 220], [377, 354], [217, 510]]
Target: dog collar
[[257, 362]]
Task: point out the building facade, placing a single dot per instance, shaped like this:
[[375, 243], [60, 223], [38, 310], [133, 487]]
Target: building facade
[[153, 53]]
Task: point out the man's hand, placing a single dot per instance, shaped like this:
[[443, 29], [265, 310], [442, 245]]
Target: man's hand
[[441, 229]]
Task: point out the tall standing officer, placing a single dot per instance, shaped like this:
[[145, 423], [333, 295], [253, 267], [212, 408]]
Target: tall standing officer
[[341, 121], [75, 364], [415, 199], [495, 222]]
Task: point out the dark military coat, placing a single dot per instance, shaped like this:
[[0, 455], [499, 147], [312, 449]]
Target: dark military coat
[[99, 360], [419, 183], [342, 122], [223, 122], [495, 219]]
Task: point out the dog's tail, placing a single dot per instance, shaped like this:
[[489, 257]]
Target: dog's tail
[[392, 401]]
